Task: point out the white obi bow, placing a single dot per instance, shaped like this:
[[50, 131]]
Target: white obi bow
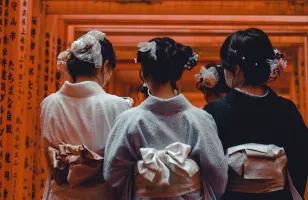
[[155, 164]]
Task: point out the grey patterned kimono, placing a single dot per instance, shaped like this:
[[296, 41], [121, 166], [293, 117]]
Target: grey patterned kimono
[[157, 123]]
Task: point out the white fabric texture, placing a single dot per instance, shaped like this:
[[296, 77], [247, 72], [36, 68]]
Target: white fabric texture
[[156, 123], [79, 113]]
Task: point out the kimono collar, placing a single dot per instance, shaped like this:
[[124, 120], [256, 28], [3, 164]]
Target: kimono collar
[[175, 104], [82, 89]]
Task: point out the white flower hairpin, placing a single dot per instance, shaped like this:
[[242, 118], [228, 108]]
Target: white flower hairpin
[[207, 77], [148, 47], [62, 59], [87, 47]]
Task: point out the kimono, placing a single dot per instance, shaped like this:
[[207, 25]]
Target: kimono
[[270, 120], [157, 130], [79, 115]]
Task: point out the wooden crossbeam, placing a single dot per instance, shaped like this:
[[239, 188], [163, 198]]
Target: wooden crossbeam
[[188, 7]]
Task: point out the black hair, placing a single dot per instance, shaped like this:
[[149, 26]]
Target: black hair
[[250, 49], [172, 59], [144, 90], [221, 86], [77, 67]]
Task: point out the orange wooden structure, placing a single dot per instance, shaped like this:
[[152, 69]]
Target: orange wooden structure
[[33, 32]]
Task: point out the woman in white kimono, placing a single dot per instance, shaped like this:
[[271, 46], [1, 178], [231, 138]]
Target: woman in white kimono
[[76, 120], [165, 148]]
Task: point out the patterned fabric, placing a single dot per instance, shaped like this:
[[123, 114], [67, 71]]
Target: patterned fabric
[[258, 168], [74, 165]]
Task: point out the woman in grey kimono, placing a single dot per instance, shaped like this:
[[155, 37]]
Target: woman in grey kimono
[[76, 120], [165, 148]]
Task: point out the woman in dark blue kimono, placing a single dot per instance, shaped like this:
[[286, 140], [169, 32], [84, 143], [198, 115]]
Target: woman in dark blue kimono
[[263, 134]]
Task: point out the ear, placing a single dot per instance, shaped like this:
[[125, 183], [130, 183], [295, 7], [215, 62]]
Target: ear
[[65, 69], [237, 70], [106, 64]]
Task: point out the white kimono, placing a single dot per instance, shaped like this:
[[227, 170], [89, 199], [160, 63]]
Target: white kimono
[[159, 125], [79, 113]]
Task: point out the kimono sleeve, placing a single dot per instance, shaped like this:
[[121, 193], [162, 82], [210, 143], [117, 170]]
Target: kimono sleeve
[[296, 145], [208, 151], [121, 153]]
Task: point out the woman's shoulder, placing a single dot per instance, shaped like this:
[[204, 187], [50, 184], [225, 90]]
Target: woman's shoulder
[[49, 99], [289, 108], [286, 103], [116, 100], [197, 117], [133, 114], [218, 106]]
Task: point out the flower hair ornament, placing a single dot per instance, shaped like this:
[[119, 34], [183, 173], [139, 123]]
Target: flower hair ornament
[[207, 77], [148, 47], [277, 65], [62, 59], [192, 61], [87, 47]]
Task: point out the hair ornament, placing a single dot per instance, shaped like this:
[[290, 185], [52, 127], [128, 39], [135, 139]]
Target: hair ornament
[[148, 47], [207, 77], [62, 59], [233, 51], [192, 61], [87, 47], [277, 65]]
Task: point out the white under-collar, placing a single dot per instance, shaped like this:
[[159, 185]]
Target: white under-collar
[[175, 104], [81, 89], [252, 95]]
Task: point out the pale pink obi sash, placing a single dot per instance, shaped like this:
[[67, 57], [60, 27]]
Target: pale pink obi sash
[[258, 168], [166, 173], [75, 165]]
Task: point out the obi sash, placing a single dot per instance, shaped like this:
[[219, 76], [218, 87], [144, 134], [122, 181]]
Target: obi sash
[[256, 168], [166, 173], [75, 165]]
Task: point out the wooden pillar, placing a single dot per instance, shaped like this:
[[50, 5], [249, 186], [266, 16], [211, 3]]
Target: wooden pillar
[[28, 73]]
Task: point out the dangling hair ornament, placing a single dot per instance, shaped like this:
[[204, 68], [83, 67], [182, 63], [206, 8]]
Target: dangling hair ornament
[[207, 77], [192, 61], [87, 47], [62, 59], [148, 47], [277, 65]]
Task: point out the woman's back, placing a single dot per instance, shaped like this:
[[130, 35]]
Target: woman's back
[[271, 119], [158, 123], [79, 114]]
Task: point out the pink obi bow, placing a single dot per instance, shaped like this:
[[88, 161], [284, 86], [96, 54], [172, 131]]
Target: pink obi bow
[[74, 164], [155, 165]]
